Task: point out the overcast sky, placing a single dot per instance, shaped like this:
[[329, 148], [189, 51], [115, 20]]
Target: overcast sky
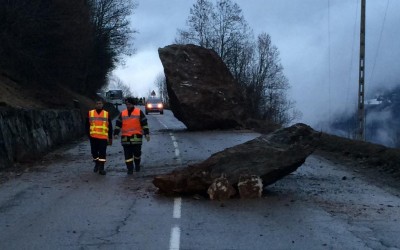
[[318, 42]]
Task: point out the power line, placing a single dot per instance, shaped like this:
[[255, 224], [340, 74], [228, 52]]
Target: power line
[[353, 105], [379, 44], [329, 65]]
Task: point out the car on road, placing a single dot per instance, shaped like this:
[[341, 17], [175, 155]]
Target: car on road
[[154, 104]]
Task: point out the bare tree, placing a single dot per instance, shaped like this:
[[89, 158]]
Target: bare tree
[[113, 38], [268, 85], [200, 23], [230, 29], [222, 29], [264, 83], [115, 82], [110, 20]]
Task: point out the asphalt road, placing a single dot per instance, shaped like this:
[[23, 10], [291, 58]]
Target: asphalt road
[[61, 204]]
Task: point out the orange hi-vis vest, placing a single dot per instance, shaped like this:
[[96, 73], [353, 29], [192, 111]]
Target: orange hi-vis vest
[[131, 124], [98, 124]]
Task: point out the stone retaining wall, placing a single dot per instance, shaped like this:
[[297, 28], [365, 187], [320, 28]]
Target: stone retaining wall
[[26, 135]]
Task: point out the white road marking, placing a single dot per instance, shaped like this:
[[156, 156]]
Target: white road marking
[[174, 242], [177, 152], [177, 208], [175, 238]]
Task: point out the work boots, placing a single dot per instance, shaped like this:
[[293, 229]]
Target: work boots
[[137, 165], [129, 166], [101, 168], [96, 166], [137, 168]]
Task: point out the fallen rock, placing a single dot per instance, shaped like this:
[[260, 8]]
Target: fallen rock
[[220, 189], [202, 92], [250, 186], [271, 156]]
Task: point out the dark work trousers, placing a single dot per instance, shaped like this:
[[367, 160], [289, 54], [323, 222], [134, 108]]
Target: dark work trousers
[[132, 153], [98, 148]]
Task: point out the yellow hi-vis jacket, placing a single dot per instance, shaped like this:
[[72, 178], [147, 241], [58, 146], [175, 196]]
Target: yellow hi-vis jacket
[[98, 124]]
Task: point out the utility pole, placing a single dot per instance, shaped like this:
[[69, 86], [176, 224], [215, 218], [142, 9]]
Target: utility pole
[[361, 87]]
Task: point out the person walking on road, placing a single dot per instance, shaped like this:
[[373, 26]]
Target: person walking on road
[[99, 130], [132, 123]]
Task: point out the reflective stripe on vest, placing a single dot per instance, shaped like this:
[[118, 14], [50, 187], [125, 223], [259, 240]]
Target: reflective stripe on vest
[[134, 139], [131, 124], [98, 124]]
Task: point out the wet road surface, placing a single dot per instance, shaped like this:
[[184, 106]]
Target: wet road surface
[[61, 204]]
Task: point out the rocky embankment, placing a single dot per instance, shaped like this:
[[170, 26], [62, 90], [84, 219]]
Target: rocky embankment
[[26, 135]]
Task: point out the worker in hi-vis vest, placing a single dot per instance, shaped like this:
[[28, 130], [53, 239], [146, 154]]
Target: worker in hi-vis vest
[[99, 129], [132, 123]]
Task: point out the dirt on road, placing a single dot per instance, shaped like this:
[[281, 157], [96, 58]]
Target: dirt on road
[[379, 164]]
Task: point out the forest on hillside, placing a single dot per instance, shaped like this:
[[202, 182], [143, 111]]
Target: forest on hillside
[[382, 119], [70, 43]]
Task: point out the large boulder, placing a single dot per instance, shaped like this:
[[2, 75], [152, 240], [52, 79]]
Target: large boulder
[[202, 92], [271, 157]]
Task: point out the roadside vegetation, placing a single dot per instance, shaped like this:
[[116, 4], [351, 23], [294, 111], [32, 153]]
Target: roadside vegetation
[[74, 44]]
